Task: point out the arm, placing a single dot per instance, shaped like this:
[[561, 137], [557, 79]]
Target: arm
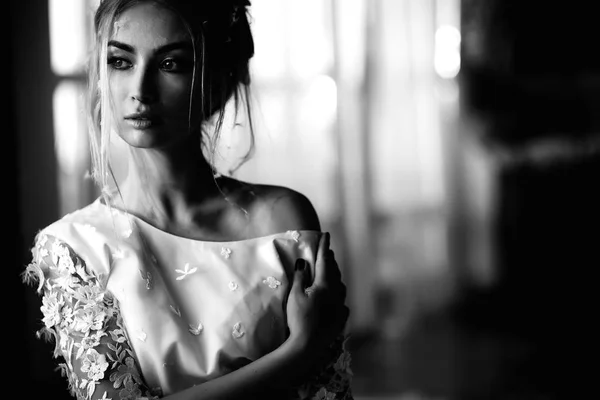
[[84, 321], [289, 371], [330, 377], [315, 324]]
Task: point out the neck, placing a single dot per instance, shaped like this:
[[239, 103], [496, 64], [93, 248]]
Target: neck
[[167, 187]]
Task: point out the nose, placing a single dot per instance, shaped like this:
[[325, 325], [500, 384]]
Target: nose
[[143, 88]]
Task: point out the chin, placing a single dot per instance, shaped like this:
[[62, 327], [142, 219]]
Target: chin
[[147, 138], [158, 140]]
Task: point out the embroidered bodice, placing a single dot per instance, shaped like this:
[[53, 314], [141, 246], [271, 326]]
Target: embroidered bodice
[[136, 312]]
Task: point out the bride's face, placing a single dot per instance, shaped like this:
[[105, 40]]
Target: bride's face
[[150, 72]]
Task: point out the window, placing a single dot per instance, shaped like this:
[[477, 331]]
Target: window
[[70, 32]]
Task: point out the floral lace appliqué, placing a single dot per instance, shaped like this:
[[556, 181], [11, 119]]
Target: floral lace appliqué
[[185, 271], [141, 335], [118, 254], [332, 382], [147, 276], [196, 329], [272, 282], [84, 321], [226, 252], [175, 310], [294, 234], [238, 330]]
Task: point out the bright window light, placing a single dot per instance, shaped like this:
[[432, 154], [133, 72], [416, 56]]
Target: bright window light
[[320, 104], [70, 139], [67, 35], [447, 51]]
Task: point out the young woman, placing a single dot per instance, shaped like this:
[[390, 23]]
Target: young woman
[[178, 282]]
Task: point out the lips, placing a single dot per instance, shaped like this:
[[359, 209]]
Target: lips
[[142, 120]]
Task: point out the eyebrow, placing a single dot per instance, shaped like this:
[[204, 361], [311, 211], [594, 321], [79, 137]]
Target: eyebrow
[[183, 45]]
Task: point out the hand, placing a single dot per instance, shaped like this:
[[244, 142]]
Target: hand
[[317, 314]]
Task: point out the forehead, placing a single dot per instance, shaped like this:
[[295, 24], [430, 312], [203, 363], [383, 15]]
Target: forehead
[[149, 25]]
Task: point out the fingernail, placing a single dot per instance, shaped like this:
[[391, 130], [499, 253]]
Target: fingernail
[[300, 263]]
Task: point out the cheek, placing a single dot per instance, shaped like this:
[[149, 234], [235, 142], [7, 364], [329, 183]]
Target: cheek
[[175, 94], [116, 86], [175, 101]]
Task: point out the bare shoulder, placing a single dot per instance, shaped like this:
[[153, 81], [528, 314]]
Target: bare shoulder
[[279, 208], [272, 208], [275, 209]]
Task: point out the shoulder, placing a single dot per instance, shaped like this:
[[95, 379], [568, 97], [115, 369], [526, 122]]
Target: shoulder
[[90, 234], [82, 225], [90, 213], [288, 208], [274, 208]]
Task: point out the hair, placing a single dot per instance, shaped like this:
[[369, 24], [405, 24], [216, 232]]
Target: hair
[[223, 46]]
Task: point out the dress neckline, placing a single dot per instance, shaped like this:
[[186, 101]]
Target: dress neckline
[[294, 234]]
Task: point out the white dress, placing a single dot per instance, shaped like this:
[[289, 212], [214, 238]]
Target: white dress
[[137, 312]]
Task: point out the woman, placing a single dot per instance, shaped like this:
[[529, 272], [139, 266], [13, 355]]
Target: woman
[[177, 282]]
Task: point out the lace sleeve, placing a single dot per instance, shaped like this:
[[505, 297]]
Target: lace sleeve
[[333, 381], [84, 322]]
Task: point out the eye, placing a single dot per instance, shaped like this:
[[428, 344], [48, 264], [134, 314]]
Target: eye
[[118, 63], [175, 65], [169, 65]]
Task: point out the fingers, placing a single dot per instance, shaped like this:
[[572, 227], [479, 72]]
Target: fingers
[[300, 275], [332, 269], [328, 275], [320, 263], [327, 270]]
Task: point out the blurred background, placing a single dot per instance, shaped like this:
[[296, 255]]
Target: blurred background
[[451, 147]]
